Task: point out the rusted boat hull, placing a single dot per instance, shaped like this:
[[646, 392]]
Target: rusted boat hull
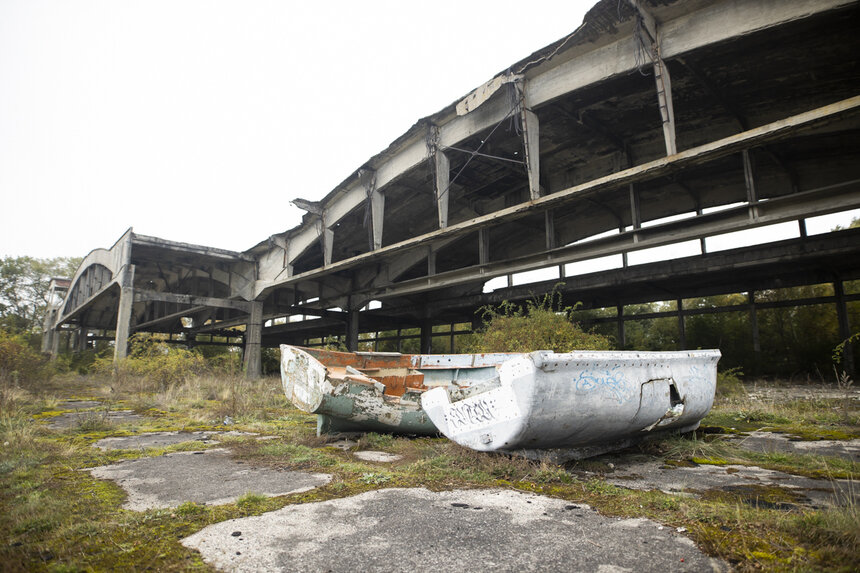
[[579, 404], [372, 391]]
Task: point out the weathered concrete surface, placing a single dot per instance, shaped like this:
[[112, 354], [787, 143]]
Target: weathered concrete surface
[[72, 419], [162, 439], [343, 444], [645, 473], [770, 442], [152, 440], [784, 393], [374, 456], [78, 404], [209, 477], [418, 530]]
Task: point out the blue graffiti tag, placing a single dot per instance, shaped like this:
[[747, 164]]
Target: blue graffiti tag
[[612, 381], [699, 376]]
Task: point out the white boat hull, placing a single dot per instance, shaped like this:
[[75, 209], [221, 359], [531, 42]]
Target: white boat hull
[[577, 404]]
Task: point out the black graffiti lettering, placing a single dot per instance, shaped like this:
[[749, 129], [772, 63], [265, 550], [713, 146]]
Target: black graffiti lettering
[[461, 415]]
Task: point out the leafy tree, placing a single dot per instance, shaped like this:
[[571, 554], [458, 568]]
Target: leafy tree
[[24, 283]]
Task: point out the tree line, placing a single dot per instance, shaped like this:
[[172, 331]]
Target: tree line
[[24, 283]]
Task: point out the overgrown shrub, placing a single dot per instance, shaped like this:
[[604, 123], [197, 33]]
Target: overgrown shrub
[[19, 363], [155, 360], [729, 383], [542, 324]]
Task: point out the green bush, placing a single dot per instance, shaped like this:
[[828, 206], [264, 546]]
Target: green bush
[[19, 363], [729, 383], [542, 324], [155, 360]]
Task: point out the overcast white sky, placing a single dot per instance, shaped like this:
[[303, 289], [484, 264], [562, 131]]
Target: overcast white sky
[[198, 120]]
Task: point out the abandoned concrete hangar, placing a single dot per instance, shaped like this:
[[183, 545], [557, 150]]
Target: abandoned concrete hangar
[[655, 123]]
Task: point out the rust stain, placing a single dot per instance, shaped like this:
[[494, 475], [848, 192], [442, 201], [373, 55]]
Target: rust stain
[[395, 372]]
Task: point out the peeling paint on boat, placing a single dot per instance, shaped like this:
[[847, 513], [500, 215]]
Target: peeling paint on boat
[[368, 391]]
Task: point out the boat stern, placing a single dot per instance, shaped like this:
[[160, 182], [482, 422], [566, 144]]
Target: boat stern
[[304, 378], [493, 415]]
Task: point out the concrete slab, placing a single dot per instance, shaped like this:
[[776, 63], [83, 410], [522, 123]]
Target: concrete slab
[[153, 440], [647, 474], [163, 439], [72, 419], [783, 393], [770, 442], [374, 456], [209, 477], [78, 404], [417, 530], [343, 444]]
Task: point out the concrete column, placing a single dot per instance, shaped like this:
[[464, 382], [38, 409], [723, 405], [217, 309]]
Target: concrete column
[[376, 205], [123, 315], [81, 339], [48, 331], [749, 182], [253, 336], [483, 245], [664, 98], [443, 191], [55, 343], [352, 329], [621, 334], [531, 144], [549, 227], [682, 328], [844, 328], [635, 209], [653, 45], [754, 327], [426, 336], [327, 236]]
